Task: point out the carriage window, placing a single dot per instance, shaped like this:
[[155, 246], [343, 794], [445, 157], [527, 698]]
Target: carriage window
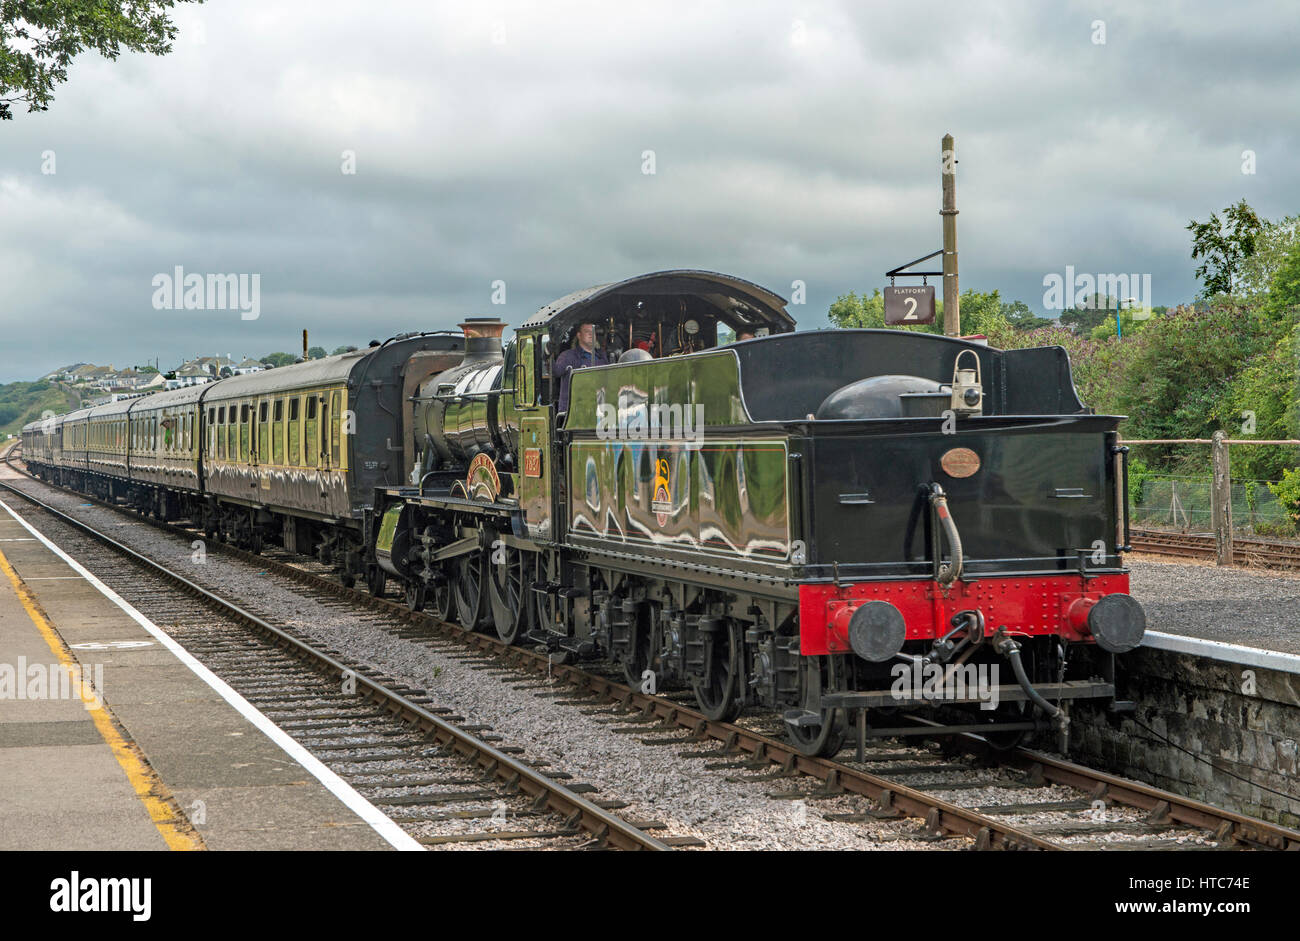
[[295, 431], [336, 429], [311, 434], [244, 415], [277, 434], [263, 437], [232, 435]]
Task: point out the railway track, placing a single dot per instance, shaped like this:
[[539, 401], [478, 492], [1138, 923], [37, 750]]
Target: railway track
[[1246, 550], [358, 721], [1039, 801]]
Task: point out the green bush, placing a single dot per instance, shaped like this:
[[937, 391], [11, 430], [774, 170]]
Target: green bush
[[1138, 472], [1287, 491]]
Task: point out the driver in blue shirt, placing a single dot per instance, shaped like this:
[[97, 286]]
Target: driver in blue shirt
[[583, 353]]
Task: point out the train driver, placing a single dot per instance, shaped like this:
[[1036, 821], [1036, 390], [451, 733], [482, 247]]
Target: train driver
[[583, 353]]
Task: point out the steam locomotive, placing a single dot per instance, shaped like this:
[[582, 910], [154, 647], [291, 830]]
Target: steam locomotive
[[861, 530]]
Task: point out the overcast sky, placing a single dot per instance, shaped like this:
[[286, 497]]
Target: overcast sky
[[505, 141]]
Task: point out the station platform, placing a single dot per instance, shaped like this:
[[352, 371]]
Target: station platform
[[157, 755], [1222, 613]]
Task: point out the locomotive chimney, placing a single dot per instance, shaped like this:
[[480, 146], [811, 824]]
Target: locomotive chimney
[[482, 338]]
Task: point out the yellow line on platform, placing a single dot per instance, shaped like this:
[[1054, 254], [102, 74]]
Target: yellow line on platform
[[175, 829]]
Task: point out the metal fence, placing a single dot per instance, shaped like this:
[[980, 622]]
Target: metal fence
[[1215, 501], [1185, 503]]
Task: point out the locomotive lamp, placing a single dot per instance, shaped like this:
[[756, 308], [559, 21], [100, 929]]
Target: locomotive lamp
[[967, 389]]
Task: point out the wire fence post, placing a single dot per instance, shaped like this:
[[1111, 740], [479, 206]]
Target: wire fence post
[[1221, 499]]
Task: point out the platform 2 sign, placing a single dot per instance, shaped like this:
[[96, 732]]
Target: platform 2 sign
[[904, 305]]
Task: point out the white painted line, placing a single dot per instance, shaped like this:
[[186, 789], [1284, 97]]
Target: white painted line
[[1218, 650], [367, 811]]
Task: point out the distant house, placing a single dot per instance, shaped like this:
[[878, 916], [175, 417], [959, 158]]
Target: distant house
[[97, 376], [189, 374], [214, 364], [132, 380], [247, 366]]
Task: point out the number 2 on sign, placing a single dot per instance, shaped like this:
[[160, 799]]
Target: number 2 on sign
[[911, 308]]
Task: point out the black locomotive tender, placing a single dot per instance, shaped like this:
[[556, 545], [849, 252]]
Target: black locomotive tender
[[855, 528]]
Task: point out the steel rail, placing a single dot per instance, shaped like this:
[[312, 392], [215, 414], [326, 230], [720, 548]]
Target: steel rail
[[577, 810], [940, 815], [1196, 546]]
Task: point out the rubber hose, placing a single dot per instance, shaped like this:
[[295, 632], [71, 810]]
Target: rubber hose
[[1019, 668], [948, 572]]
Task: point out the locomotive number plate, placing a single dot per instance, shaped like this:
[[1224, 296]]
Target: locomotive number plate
[[532, 462], [960, 462]]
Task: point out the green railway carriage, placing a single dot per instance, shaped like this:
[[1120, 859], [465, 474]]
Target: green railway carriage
[[270, 455], [74, 443], [37, 439], [294, 454], [164, 447], [279, 439], [106, 439]]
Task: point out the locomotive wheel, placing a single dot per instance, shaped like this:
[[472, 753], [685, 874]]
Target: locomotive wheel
[[470, 590], [817, 741], [442, 601], [376, 580], [821, 741], [416, 593], [506, 595], [634, 668], [719, 694], [549, 609]]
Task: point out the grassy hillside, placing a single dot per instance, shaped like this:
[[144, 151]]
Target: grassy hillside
[[21, 402]]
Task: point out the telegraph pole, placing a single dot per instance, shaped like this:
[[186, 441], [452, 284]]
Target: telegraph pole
[[951, 297]]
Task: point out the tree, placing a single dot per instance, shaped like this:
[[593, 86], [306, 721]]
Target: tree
[[1224, 246], [1272, 245], [277, 359], [1018, 314], [40, 38], [1283, 299], [1089, 313], [343, 349], [317, 352], [980, 313]]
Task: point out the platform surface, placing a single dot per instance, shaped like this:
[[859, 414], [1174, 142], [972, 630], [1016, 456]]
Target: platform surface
[[1222, 604], [168, 748]]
